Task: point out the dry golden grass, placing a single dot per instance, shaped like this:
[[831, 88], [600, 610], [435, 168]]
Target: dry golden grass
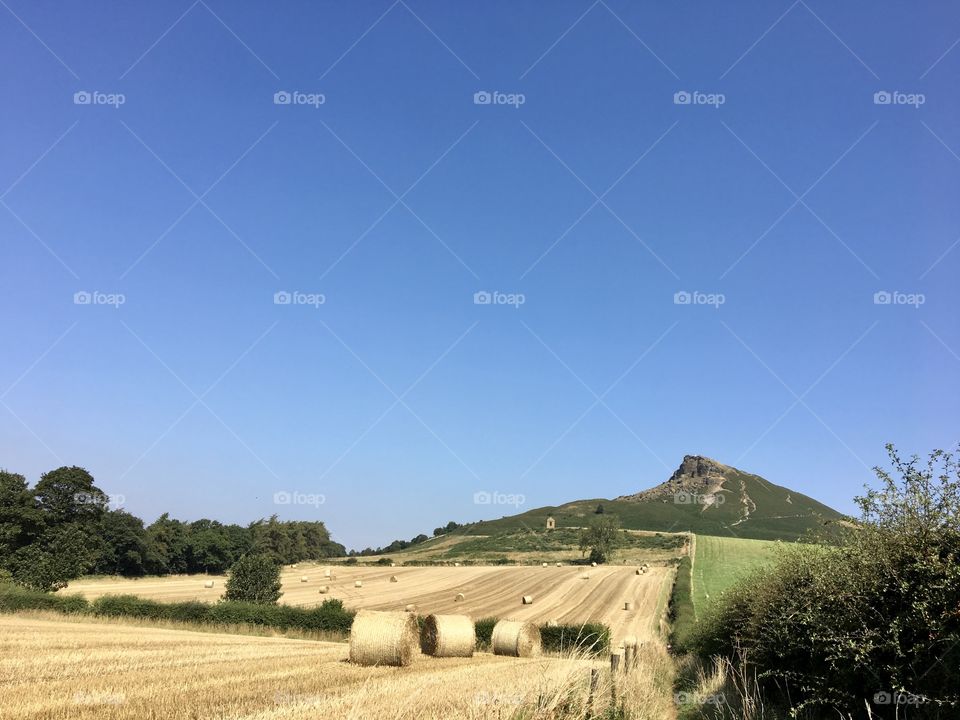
[[560, 593], [58, 669]]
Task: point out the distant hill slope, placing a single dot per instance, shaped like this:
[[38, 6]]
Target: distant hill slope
[[703, 496]]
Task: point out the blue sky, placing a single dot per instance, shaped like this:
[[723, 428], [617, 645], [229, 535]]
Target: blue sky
[[781, 198]]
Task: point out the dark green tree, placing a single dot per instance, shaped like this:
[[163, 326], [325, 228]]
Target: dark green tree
[[254, 578]]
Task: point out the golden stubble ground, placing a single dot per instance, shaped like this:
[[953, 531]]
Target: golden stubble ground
[[56, 668], [561, 594]]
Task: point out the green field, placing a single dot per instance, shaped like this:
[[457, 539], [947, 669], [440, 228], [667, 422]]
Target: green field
[[718, 562]]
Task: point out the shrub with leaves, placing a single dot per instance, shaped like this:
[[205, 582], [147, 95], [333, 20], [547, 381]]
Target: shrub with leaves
[[874, 618], [254, 579]]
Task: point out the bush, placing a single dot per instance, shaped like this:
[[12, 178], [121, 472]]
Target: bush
[[16, 597], [836, 626], [254, 579], [128, 606], [682, 617], [484, 630], [589, 637]]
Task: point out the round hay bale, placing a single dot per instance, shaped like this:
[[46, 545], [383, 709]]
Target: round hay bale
[[304, 578], [358, 583], [383, 638], [411, 608], [324, 589], [209, 584], [593, 564], [515, 639], [559, 564], [456, 564], [327, 572], [459, 598], [543, 564], [393, 564], [639, 571], [393, 578], [527, 599], [448, 636], [628, 605]]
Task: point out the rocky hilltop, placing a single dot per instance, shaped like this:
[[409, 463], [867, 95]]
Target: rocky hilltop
[[697, 475]]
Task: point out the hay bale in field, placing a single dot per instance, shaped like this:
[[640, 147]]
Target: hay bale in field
[[358, 584], [304, 578], [459, 598], [209, 584], [324, 589], [327, 573], [543, 564], [559, 564], [593, 564], [393, 564], [393, 578], [411, 608], [456, 564], [448, 636], [628, 605], [515, 639], [383, 638], [527, 599], [639, 571]]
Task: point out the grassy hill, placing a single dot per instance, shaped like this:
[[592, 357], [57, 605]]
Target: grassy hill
[[702, 497]]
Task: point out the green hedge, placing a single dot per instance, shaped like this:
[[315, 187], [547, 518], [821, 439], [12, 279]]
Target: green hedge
[[683, 617], [14, 597], [589, 637], [330, 616]]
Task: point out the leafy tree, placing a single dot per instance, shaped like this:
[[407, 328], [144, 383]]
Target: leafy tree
[[68, 494], [60, 555], [167, 542], [254, 578], [20, 519], [601, 538], [124, 546]]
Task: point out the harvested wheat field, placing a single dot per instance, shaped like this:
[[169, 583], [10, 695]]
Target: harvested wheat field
[[57, 669], [561, 594]]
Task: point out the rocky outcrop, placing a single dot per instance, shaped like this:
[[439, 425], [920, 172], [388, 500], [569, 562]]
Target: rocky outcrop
[[697, 475]]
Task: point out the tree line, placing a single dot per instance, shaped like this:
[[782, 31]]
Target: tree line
[[63, 528]]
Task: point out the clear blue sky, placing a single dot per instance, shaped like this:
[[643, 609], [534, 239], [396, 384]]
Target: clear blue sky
[[198, 198]]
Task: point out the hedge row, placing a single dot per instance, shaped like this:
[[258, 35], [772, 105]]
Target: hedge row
[[330, 616], [682, 615]]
